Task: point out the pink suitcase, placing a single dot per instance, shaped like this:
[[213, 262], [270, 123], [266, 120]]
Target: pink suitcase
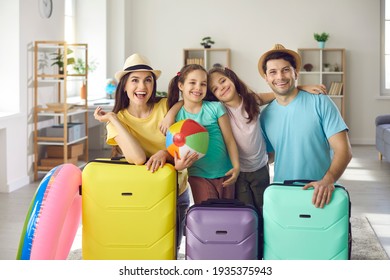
[[222, 230]]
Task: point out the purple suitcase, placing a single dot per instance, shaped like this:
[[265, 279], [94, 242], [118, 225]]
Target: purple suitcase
[[222, 230]]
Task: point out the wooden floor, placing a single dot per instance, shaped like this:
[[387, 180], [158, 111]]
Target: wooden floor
[[367, 180]]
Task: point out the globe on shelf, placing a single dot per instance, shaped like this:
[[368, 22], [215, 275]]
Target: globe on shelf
[[110, 88]]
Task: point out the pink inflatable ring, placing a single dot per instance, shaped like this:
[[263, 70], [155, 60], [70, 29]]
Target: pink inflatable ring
[[53, 217]]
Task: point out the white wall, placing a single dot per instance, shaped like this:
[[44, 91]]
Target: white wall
[[17, 48], [13, 141], [9, 80], [161, 29], [92, 13], [116, 26]]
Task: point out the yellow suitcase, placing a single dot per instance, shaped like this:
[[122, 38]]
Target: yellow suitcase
[[128, 212]]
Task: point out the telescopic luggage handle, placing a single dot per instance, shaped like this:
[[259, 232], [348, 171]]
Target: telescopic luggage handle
[[292, 182], [305, 181], [222, 202]]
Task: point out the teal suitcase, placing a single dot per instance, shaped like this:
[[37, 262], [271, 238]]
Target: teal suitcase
[[294, 229]]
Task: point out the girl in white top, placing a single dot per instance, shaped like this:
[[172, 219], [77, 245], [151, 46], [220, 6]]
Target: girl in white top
[[243, 107]]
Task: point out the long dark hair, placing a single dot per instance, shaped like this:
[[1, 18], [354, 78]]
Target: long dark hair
[[173, 88], [251, 101], [122, 101]]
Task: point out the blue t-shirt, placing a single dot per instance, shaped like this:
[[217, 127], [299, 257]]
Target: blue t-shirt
[[298, 134], [216, 162]]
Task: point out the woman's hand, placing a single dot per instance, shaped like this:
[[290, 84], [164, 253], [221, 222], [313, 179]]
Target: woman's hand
[[157, 160], [101, 115]]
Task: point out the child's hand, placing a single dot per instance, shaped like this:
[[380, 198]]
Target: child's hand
[[166, 123], [234, 175], [314, 89], [186, 161]]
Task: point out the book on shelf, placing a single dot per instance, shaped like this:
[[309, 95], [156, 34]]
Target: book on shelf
[[335, 88], [199, 61]]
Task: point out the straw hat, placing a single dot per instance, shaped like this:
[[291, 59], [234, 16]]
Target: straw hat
[[136, 63], [279, 48]]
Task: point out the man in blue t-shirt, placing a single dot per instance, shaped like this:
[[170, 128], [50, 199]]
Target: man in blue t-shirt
[[305, 133]]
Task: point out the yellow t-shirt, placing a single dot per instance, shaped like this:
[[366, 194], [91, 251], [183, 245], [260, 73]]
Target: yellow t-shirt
[[147, 132]]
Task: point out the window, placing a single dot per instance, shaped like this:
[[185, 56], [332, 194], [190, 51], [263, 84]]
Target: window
[[69, 21], [385, 48]]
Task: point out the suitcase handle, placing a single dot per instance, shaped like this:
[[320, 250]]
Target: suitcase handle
[[303, 181], [219, 202], [117, 158]]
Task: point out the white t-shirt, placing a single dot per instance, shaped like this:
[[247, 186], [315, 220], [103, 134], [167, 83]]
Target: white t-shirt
[[249, 139]]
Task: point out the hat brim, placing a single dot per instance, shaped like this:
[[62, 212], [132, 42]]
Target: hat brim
[[296, 56], [120, 74]]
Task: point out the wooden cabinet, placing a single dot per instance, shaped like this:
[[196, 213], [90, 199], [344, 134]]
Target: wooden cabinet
[[207, 57], [325, 66], [60, 132]]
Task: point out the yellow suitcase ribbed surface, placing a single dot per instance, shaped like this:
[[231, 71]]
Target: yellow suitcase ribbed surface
[[128, 212]]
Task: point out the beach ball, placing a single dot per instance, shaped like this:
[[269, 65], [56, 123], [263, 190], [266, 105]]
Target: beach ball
[[187, 135]]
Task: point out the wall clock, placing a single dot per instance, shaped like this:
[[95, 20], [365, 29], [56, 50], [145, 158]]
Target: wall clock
[[45, 8]]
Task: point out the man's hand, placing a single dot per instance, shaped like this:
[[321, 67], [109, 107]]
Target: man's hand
[[322, 192]]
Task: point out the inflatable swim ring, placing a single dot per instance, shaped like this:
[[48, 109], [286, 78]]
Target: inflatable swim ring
[[53, 217]]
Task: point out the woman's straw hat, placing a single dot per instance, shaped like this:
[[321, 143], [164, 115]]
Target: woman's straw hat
[[136, 63]]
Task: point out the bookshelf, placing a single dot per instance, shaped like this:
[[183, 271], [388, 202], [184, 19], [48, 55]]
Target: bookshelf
[[328, 68], [207, 57], [60, 129]]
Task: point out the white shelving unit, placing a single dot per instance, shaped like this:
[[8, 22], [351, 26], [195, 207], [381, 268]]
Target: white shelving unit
[[207, 57], [50, 84], [333, 78]]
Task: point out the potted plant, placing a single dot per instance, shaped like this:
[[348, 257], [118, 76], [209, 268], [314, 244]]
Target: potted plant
[[326, 67], [321, 38], [58, 59], [207, 42], [43, 63], [80, 67]]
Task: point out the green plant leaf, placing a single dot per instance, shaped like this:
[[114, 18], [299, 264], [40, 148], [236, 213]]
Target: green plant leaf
[[321, 37]]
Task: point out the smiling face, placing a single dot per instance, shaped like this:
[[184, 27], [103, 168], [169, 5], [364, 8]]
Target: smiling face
[[194, 87], [222, 87], [281, 76], [139, 87]]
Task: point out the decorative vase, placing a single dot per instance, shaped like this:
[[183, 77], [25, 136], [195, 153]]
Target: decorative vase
[[321, 44], [61, 72], [83, 92]]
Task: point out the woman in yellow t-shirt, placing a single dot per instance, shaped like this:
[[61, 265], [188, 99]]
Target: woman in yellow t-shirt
[[133, 125]]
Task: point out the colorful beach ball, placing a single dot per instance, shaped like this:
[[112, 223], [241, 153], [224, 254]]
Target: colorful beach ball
[[187, 135]]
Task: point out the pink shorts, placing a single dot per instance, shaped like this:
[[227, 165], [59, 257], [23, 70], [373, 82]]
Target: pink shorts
[[203, 189]]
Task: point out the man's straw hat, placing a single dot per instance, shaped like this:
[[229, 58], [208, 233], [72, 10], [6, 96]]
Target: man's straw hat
[[279, 48]]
